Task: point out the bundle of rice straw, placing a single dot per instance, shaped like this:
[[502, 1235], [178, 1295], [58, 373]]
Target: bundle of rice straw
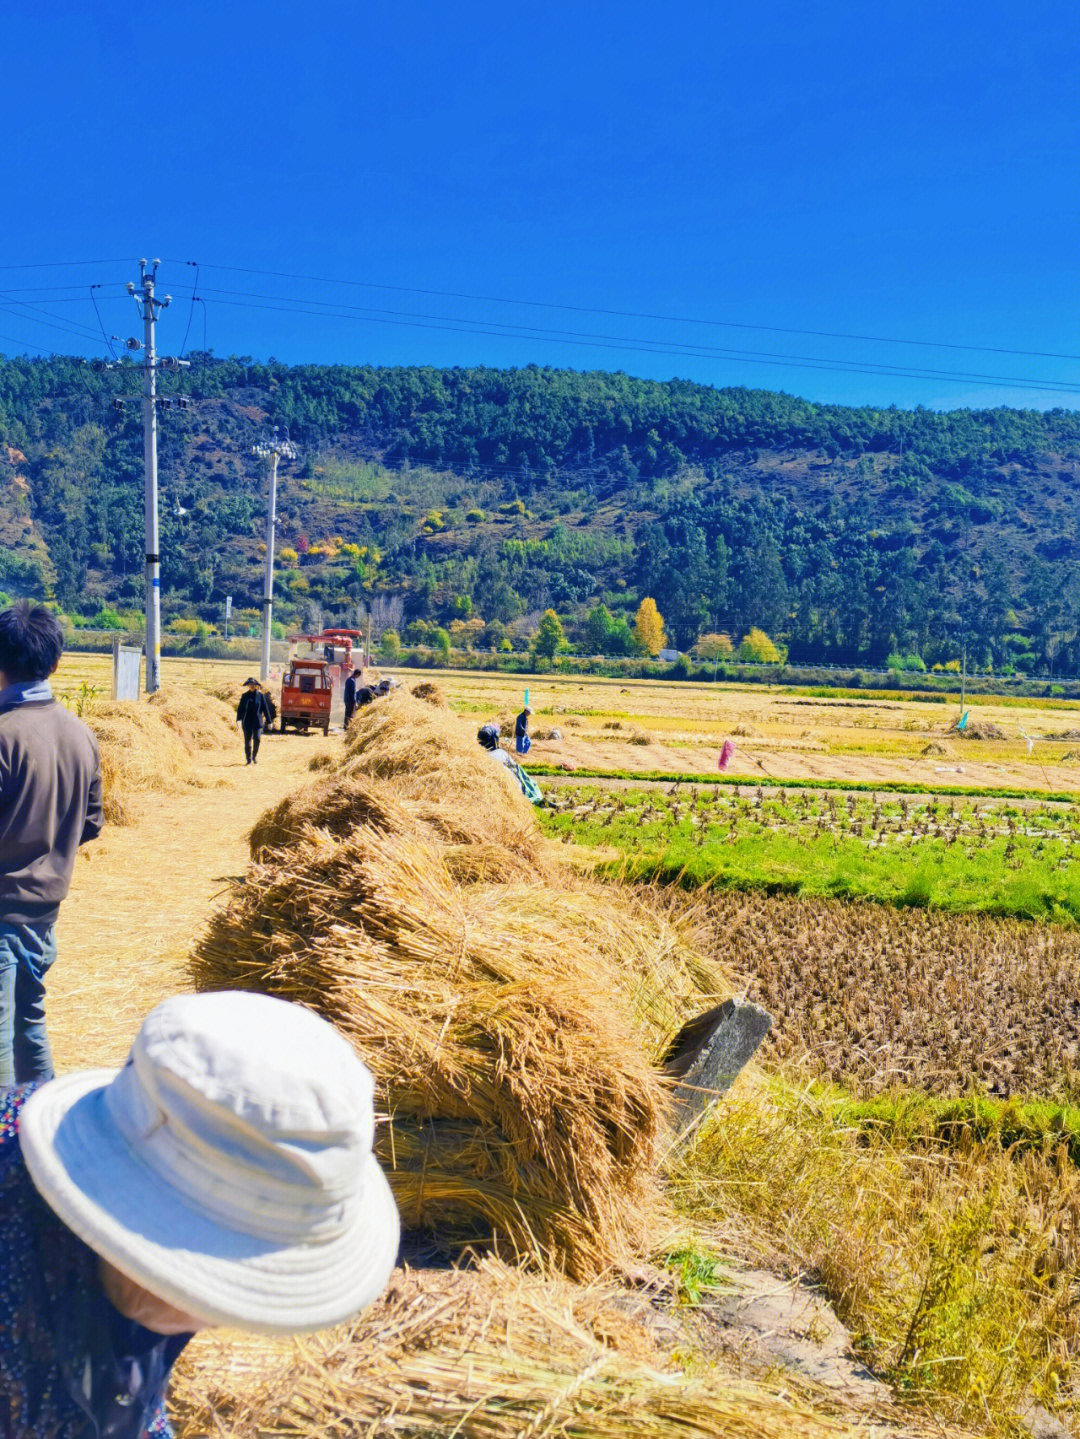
[[202, 721], [511, 1016], [148, 746], [431, 755], [490, 1353], [425, 690]]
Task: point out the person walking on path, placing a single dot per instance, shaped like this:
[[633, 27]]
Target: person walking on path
[[251, 714], [350, 696], [224, 1176], [50, 804], [522, 743]]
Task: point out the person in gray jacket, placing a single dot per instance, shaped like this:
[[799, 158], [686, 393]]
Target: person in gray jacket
[[50, 804]]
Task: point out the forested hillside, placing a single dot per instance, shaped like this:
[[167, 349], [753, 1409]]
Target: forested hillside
[[478, 498]]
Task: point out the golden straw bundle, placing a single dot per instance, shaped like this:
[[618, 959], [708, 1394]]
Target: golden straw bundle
[[432, 755], [511, 1014], [149, 745], [202, 721]]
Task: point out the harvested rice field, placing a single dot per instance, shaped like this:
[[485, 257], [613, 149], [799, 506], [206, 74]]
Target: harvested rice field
[[872, 998], [639, 727], [90, 675], [904, 1149], [620, 728]]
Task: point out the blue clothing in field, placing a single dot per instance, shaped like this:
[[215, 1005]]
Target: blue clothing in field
[[71, 1366], [26, 952]]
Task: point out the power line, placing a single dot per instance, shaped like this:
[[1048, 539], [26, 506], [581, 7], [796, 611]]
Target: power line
[[680, 351], [28, 345], [191, 309], [63, 264], [53, 290], [518, 331], [101, 322], [650, 315], [652, 345], [82, 332]]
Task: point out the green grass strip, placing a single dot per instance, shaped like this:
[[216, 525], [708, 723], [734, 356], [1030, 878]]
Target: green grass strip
[[865, 786], [915, 1119]]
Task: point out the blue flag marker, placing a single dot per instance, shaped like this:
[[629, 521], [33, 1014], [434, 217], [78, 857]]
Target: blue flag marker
[[526, 699], [961, 723]]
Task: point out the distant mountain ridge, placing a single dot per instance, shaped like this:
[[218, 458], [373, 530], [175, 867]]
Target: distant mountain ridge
[[846, 533]]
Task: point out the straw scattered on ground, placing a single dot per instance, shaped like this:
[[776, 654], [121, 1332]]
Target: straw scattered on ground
[[490, 1353], [425, 690]]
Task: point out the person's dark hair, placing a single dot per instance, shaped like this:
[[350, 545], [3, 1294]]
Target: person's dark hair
[[31, 642]]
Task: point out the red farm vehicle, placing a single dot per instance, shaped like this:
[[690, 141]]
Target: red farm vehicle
[[313, 680], [306, 695]]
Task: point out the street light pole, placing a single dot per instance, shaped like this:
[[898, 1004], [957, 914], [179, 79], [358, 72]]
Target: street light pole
[[271, 451]]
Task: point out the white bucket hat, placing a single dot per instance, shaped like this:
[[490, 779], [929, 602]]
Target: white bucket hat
[[228, 1167]]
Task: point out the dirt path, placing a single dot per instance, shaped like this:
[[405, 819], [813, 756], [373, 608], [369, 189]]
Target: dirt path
[[141, 892]]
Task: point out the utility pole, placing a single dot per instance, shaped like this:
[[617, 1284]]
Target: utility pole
[[271, 451], [963, 678], [150, 306]]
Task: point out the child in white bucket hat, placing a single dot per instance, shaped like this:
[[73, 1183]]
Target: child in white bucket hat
[[224, 1176]]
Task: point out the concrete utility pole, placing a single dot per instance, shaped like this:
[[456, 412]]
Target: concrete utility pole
[[271, 451], [150, 306]]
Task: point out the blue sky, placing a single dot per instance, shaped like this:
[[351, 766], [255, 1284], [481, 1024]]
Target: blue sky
[[901, 172]]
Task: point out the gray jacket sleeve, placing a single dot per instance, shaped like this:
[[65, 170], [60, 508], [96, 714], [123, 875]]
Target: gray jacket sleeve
[[95, 813]]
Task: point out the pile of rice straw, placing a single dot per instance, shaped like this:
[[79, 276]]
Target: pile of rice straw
[[150, 746], [511, 1012], [425, 690], [489, 1353]]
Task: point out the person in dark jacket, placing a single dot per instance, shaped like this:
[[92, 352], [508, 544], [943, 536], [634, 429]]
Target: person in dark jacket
[[350, 696], [251, 714], [223, 1176], [271, 708], [50, 804], [522, 743]]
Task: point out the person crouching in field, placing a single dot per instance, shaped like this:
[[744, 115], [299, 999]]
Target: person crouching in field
[[50, 804], [224, 1176], [252, 713]]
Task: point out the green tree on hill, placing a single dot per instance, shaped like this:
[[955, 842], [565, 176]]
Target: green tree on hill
[[597, 630], [550, 638]]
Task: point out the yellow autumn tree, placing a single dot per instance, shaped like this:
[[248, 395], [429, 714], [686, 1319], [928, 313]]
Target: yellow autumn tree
[[649, 627], [714, 647], [758, 647]]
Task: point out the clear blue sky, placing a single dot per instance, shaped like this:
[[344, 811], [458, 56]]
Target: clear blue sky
[[900, 171]]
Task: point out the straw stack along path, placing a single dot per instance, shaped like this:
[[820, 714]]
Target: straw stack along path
[[512, 1013], [143, 889]]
